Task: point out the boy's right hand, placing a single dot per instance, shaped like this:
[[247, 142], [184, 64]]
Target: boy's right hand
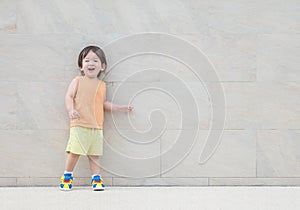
[[74, 114]]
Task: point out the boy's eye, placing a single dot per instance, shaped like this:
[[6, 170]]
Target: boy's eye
[[95, 60]]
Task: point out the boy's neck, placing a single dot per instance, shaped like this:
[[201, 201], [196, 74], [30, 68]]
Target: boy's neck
[[91, 78]]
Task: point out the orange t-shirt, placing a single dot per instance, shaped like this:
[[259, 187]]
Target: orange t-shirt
[[88, 101]]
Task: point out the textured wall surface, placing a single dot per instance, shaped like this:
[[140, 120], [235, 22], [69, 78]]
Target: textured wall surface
[[252, 46]]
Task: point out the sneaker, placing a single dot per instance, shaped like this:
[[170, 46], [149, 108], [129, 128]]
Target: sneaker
[[97, 183], [66, 182]]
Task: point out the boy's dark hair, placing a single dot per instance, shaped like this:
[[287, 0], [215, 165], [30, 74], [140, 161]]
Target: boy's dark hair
[[97, 50]]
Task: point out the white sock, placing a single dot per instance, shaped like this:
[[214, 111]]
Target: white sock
[[95, 175]]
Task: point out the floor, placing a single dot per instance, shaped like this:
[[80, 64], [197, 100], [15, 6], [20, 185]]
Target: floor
[[153, 198]]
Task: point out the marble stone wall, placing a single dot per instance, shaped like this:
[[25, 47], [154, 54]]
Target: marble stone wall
[[253, 47]]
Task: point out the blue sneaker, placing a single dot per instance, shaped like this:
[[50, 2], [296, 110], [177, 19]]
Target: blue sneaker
[[97, 183], [66, 182]]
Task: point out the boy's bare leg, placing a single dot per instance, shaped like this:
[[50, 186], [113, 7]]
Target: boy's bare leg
[[71, 161], [94, 164]]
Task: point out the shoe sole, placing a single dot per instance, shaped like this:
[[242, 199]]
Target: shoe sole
[[65, 189]]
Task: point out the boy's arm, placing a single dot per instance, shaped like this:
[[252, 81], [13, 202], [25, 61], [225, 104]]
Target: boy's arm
[[70, 98], [114, 107]]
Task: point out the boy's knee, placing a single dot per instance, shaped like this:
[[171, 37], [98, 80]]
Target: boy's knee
[[93, 157], [73, 155]]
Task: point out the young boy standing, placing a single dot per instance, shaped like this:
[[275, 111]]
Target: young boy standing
[[85, 103]]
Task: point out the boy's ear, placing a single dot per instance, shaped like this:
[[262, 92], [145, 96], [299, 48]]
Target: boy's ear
[[103, 67]]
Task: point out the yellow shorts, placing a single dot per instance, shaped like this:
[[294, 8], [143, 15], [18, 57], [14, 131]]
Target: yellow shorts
[[85, 141]]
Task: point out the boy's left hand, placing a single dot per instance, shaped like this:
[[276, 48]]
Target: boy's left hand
[[126, 108], [130, 108]]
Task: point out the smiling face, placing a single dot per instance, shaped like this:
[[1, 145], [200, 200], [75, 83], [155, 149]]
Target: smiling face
[[91, 65]]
